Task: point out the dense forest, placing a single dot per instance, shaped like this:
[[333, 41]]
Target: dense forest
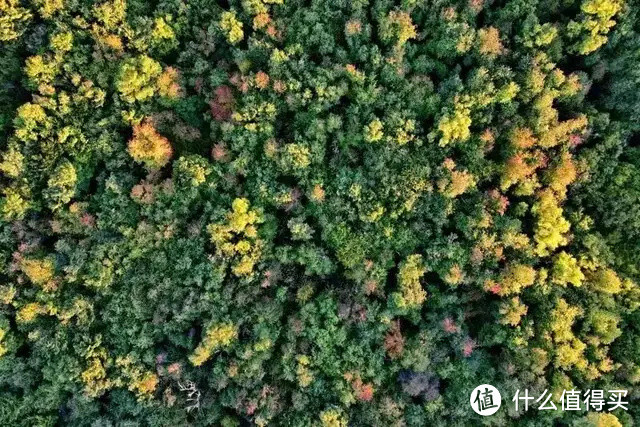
[[318, 212]]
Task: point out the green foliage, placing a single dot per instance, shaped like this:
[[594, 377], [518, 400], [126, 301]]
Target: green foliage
[[326, 212]]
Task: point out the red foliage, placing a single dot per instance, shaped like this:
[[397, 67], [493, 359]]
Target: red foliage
[[365, 393], [220, 153], [222, 103], [450, 326], [468, 346]]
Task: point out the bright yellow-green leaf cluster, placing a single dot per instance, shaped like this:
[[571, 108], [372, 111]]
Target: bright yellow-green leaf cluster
[[515, 278], [39, 271], [595, 25], [61, 185], [606, 281], [137, 78], [551, 227], [237, 239], [333, 418], [216, 337], [566, 270], [398, 27], [13, 19], [231, 27], [94, 375], [62, 42], [295, 156], [455, 125], [162, 30], [47, 8], [512, 311], [373, 132], [13, 204], [143, 383], [303, 373], [411, 293], [3, 347], [569, 350]]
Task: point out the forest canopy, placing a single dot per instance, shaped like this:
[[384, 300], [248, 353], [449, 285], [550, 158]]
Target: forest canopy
[[317, 212]]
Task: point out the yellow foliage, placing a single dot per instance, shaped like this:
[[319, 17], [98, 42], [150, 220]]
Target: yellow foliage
[[562, 318], [571, 353], [454, 276], [562, 174], [373, 215], [61, 185], [62, 42], [29, 312], [512, 311], [7, 294], [145, 386], [94, 376], [13, 19], [39, 70], [3, 347], [508, 92], [105, 39], [404, 133], [39, 271], [162, 30], [142, 383], [111, 13], [455, 125], [236, 239], [466, 36], [231, 27], [149, 147], [604, 325], [606, 281], [303, 373], [594, 27], [296, 156], [601, 419], [411, 293], [168, 83], [566, 270], [551, 227], [523, 138], [13, 205], [515, 240], [317, 193], [516, 277], [399, 27], [12, 164], [561, 131], [460, 182], [216, 337], [489, 39], [569, 350], [332, 418], [137, 78], [603, 9], [48, 7], [373, 132]]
